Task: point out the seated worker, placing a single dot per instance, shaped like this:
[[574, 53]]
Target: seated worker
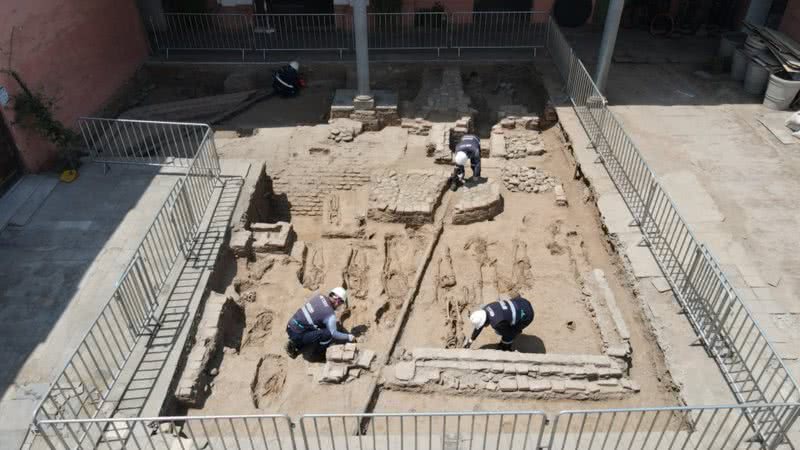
[[467, 149], [286, 80], [314, 324], [507, 317]]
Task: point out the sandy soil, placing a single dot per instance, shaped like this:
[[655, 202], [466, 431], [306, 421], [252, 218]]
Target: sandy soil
[[522, 250]]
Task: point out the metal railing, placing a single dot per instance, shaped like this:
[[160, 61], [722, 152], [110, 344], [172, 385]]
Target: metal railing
[[751, 366], [712, 427], [86, 381], [428, 431], [334, 32], [524, 29], [273, 431], [122, 141]]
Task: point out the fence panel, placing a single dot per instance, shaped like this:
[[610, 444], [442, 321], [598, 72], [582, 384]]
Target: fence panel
[[424, 431], [506, 29], [122, 141], [407, 31], [299, 32], [712, 427], [86, 380], [188, 31], [257, 432]]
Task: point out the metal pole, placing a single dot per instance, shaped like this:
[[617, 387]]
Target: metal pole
[[362, 55], [610, 30]]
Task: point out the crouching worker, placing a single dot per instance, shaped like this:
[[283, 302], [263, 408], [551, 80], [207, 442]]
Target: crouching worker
[[467, 149], [507, 317], [286, 81], [314, 324]]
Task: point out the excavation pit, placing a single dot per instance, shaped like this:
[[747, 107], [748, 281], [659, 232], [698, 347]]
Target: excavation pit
[[416, 259]]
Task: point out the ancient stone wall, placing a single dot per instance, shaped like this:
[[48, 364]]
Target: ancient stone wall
[[543, 376], [306, 182], [478, 203], [409, 197]]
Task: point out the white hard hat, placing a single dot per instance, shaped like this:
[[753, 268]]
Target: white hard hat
[[295, 65], [478, 318], [461, 158], [341, 293]]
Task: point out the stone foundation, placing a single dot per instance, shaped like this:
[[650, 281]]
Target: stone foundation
[[448, 98], [385, 112], [528, 179], [541, 376], [193, 383], [478, 203], [409, 197]]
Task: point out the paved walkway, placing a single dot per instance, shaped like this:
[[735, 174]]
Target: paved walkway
[[58, 269]]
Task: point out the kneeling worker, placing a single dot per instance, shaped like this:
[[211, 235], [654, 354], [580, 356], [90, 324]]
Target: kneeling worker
[[315, 323], [286, 81], [467, 149], [507, 317]]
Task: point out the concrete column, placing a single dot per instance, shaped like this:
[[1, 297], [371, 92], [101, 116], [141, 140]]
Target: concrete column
[[757, 12], [362, 52], [610, 29]]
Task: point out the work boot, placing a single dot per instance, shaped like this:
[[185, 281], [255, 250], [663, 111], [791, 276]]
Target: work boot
[[504, 347], [292, 350]]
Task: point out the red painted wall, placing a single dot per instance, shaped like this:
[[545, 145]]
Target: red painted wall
[[790, 24], [78, 51]]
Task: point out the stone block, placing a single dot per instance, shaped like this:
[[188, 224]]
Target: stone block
[[333, 373], [574, 386], [523, 383], [497, 145], [241, 243], [491, 386], [349, 353], [335, 353], [365, 358], [558, 386], [299, 252], [609, 382], [630, 385], [404, 371], [508, 384], [271, 237], [539, 385]]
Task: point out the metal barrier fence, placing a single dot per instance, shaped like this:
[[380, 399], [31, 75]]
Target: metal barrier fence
[[322, 32], [712, 427], [123, 141], [752, 368], [87, 379], [428, 431], [273, 431]]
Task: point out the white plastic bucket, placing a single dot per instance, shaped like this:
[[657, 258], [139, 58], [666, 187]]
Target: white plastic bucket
[[780, 92], [739, 64], [756, 78]]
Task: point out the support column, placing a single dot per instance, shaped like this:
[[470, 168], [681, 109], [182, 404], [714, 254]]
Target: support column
[[610, 29], [757, 12], [362, 52]]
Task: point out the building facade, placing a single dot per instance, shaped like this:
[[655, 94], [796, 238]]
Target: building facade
[[77, 53]]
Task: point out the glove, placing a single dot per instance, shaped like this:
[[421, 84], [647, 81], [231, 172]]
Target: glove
[[467, 342], [352, 339]]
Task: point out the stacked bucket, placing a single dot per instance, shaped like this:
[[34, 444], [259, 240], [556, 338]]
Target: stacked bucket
[[753, 64]]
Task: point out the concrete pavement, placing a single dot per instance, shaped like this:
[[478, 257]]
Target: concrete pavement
[[58, 269]]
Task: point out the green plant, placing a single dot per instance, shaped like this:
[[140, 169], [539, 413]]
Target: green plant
[[34, 110]]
